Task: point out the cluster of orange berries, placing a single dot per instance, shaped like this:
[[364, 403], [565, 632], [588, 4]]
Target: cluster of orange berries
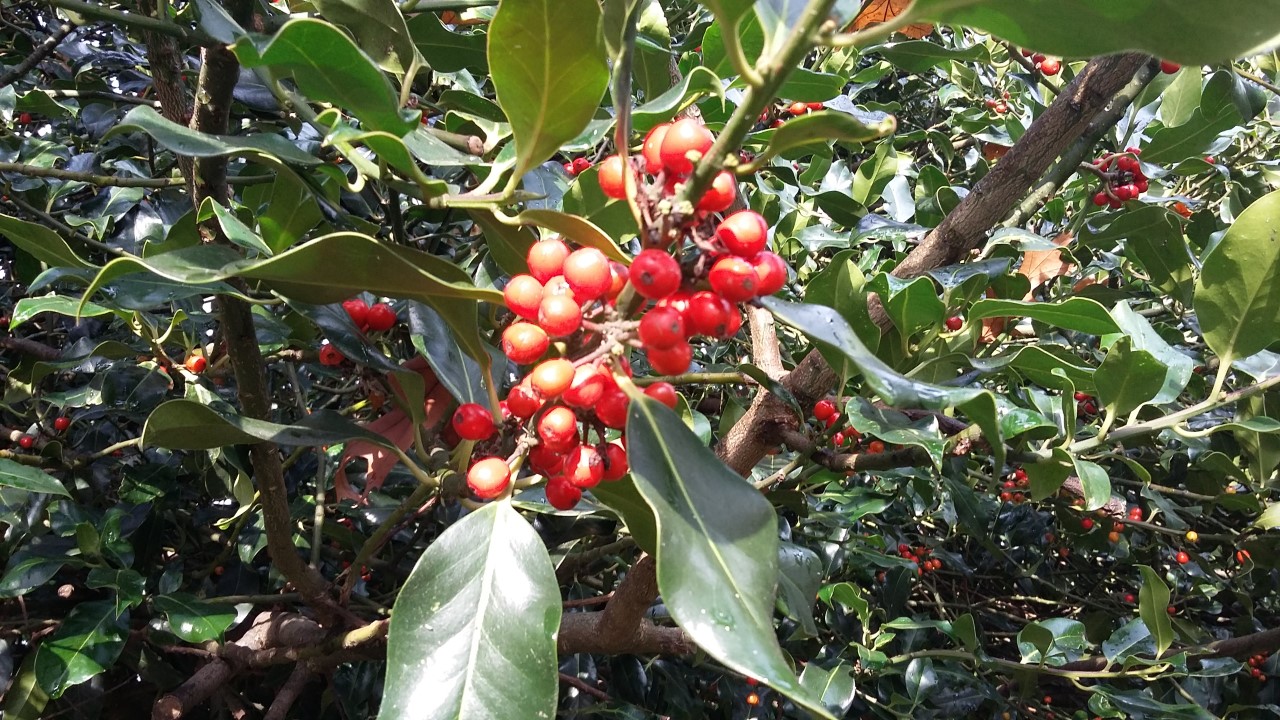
[[1125, 179], [1255, 666], [920, 556], [379, 317]]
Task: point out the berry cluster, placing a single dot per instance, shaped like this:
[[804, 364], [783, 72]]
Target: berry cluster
[[920, 556], [1013, 489], [1046, 65], [577, 166], [379, 317], [824, 411], [1123, 178], [1086, 406], [27, 441], [999, 107], [1255, 666]]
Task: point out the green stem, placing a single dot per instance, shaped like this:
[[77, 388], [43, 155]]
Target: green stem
[[128, 19], [437, 5], [702, 378], [383, 532]]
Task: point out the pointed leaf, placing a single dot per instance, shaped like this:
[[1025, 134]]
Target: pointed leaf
[[41, 243], [29, 479], [834, 688], [1153, 608], [184, 141], [84, 645], [379, 28], [1096, 483], [837, 126], [433, 339], [575, 229], [1237, 297], [1077, 313], [717, 547], [473, 630], [799, 577], [1128, 378], [189, 425], [700, 81], [444, 50], [194, 620]]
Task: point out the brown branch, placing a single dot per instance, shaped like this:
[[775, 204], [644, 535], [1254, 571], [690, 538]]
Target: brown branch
[[1239, 648], [38, 54], [582, 685], [29, 347], [288, 693], [621, 627], [766, 352]]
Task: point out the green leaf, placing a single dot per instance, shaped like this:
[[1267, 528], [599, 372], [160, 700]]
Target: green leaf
[[717, 547], [473, 630], [874, 174], [29, 307], [128, 584], [840, 286], [189, 425], [918, 56], [1128, 378], [35, 563], [236, 231], [834, 688], [1178, 367], [1084, 28], [41, 243], [1096, 483], [1048, 366], [1132, 638], [549, 89], [1270, 518], [29, 479], [379, 28], [699, 82], [826, 328], [184, 141], [86, 644], [575, 229], [830, 125], [25, 699], [1077, 313], [625, 501], [1215, 115], [913, 304], [1152, 237], [444, 50], [799, 577], [896, 428], [508, 244], [1237, 298], [328, 67], [1047, 476], [393, 150], [433, 339], [194, 620], [1153, 608]]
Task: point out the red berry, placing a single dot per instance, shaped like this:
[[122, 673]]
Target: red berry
[[523, 294], [1087, 524], [875, 447], [330, 356], [1081, 396], [991, 103], [1100, 199], [546, 461], [26, 442], [655, 274], [489, 478], [1088, 407], [652, 149], [559, 315], [1171, 610], [798, 108], [684, 137], [561, 494], [381, 317], [587, 388], [663, 392], [673, 360], [1038, 58], [581, 165], [744, 233], [61, 424], [358, 311], [523, 401], [524, 342], [613, 177], [662, 328], [618, 275], [721, 194], [586, 270], [546, 259], [734, 279], [196, 364], [1129, 598], [615, 461], [584, 467], [551, 378], [1020, 475], [24, 118], [473, 421], [1001, 108], [954, 323], [771, 272], [1169, 68], [815, 106], [1182, 558], [612, 408], [823, 410], [1050, 67], [568, 167], [831, 420], [558, 429], [707, 314]]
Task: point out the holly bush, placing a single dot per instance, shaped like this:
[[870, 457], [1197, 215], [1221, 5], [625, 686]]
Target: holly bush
[[639, 358]]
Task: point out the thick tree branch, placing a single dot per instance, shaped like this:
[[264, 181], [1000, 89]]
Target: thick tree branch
[[621, 627]]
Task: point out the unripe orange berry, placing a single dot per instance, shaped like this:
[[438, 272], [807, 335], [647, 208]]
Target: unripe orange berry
[[523, 294], [652, 149], [551, 378], [558, 429], [524, 342], [587, 272], [546, 259], [559, 315], [489, 478]]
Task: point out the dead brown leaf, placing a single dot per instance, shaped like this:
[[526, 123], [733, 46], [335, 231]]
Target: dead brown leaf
[[882, 11], [1043, 266]]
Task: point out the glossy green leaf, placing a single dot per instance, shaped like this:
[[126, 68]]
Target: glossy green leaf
[[291, 211], [129, 585], [328, 67], [1152, 237], [35, 563], [444, 50], [840, 286], [86, 643], [577, 230], [826, 328], [432, 338], [799, 577], [379, 28], [1269, 519], [1153, 608], [189, 425], [548, 88], [29, 307], [473, 630], [834, 688], [1048, 366], [1178, 366], [29, 479], [41, 243], [184, 141], [1132, 638], [1215, 115], [1128, 378], [874, 174], [1047, 476], [829, 125], [1077, 313], [1237, 298], [586, 200], [717, 547], [913, 304], [391, 149], [194, 620], [235, 230], [24, 699], [1083, 28], [699, 82], [895, 428], [918, 56], [1095, 481]]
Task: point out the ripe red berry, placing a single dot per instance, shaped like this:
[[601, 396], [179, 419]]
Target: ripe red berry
[[24, 118], [1050, 67], [1089, 407], [815, 106], [734, 279], [618, 275], [559, 315], [663, 392], [584, 467], [655, 274], [823, 410], [26, 442], [1001, 108], [707, 314], [546, 461], [558, 429], [196, 364], [523, 402], [652, 149], [615, 461], [381, 317], [546, 259], [672, 360], [1087, 524], [721, 194], [662, 328], [1129, 598], [489, 478], [875, 447], [473, 421], [954, 323], [798, 108], [524, 342], [61, 424], [685, 137], [551, 378], [1038, 58], [1100, 199], [358, 311], [1182, 558], [580, 165], [523, 294], [612, 408], [561, 494], [613, 177], [587, 388], [744, 233], [330, 356], [1169, 68], [771, 272], [586, 270]]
